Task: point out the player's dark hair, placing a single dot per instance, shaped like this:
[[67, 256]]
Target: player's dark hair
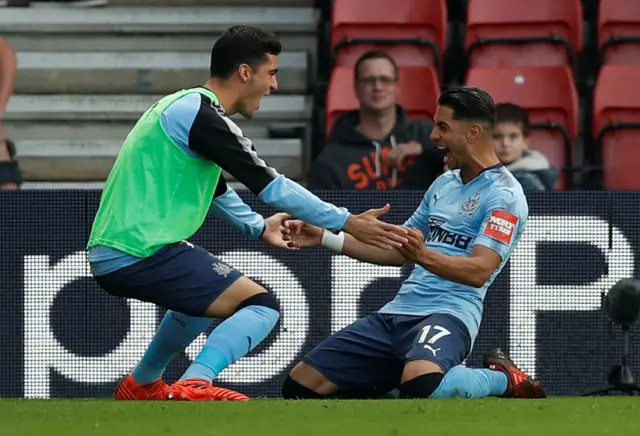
[[242, 45], [370, 55], [512, 113], [469, 104]]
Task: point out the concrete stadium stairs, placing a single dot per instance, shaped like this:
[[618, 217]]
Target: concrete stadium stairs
[[86, 74]]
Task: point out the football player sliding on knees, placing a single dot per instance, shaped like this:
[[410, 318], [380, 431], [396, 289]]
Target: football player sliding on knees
[[459, 239]]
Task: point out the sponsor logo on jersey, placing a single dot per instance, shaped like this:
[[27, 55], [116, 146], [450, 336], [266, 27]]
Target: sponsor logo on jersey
[[501, 226], [439, 235]]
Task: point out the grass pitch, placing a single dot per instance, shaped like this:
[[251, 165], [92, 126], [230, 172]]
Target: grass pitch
[[497, 417]]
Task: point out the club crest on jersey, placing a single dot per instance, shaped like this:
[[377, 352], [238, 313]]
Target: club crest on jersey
[[470, 205]]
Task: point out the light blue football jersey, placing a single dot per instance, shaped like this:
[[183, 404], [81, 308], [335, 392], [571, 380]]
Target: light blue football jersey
[[490, 210]]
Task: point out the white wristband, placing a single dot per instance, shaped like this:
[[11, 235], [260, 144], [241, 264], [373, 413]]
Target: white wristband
[[332, 241]]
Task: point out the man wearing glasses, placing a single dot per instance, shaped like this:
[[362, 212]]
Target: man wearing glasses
[[376, 147]]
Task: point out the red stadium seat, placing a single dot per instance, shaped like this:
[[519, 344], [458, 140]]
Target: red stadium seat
[[619, 32], [549, 95], [511, 32], [412, 31], [616, 125], [419, 92]]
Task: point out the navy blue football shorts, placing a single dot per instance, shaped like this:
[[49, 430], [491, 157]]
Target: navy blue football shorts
[[369, 355], [181, 277]]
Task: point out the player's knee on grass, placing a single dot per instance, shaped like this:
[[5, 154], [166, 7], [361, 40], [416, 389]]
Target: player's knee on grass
[[306, 382], [421, 386], [292, 390]]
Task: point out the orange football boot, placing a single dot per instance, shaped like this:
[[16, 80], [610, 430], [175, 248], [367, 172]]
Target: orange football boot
[[520, 385], [129, 389], [202, 390]]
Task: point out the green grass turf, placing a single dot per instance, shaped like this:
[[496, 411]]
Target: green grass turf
[[498, 417]]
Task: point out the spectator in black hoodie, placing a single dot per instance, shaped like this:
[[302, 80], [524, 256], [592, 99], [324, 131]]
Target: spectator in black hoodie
[[511, 136], [376, 147]]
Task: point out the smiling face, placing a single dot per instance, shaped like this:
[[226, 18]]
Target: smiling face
[[376, 84], [244, 63], [257, 84], [463, 122], [452, 136]]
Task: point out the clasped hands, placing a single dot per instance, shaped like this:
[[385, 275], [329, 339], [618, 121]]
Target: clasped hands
[[284, 232]]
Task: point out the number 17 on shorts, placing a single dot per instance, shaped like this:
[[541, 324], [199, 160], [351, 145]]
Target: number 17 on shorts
[[442, 339]]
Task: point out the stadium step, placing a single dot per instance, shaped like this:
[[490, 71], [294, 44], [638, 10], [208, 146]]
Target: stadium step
[[66, 42], [88, 130], [87, 74], [269, 3], [134, 72], [149, 29], [46, 185], [64, 161], [129, 107], [155, 20]]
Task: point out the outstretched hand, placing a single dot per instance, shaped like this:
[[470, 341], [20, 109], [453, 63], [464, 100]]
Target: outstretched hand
[[272, 234], [367, 228]]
